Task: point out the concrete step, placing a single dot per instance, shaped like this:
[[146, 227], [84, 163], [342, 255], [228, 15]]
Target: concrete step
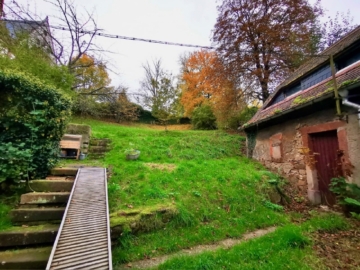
[[51, 185], [24, 215], [32, 235], [30, 258], [65, 171], [53, 177], [44, 198]]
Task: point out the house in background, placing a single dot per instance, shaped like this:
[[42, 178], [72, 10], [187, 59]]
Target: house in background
[[307, 134], [38, 31]]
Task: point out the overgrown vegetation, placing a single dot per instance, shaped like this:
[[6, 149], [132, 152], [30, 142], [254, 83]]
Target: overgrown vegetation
[[32, 120], [217, 192], [348, 195], [203, 118]]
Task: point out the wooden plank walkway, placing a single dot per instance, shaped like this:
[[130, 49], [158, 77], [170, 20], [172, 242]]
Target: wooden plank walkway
[[83, 240]]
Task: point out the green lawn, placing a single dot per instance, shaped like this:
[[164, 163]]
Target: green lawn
[[218, 194]]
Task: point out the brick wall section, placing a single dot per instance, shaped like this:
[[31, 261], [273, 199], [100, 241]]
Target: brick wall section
[[287, 138]]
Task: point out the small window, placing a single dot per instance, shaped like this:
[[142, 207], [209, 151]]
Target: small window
[[349, 60], [292, 90]]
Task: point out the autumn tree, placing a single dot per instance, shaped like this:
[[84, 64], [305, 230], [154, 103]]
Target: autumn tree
[[91, 76], [92, 85], [263, 40], [205, 81]]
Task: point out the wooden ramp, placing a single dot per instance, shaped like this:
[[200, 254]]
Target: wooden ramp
[[83, 240]]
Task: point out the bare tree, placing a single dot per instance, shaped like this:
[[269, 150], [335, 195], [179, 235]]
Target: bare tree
[[78, 30], [335, 28], [150, 84]]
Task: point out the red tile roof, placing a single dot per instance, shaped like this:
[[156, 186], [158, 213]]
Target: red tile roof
[[350, 74], [316, 91]]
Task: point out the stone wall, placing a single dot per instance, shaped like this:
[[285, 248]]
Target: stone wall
[[279, 147]]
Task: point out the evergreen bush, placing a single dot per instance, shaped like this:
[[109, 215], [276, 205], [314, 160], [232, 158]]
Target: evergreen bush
[[32, 121]]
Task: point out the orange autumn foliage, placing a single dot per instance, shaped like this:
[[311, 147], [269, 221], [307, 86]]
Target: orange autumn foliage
[[205, 81]]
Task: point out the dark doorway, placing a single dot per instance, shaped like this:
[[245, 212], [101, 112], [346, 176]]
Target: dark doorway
[[325, 148]]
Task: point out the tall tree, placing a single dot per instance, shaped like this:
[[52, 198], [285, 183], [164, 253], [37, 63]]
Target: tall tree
[[149, 86], [262, 39], [158, 92], [91, 85], [91, 76], [205, 80]]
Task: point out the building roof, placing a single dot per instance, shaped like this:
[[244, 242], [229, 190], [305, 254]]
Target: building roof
[[26, 25], [346, 76], [316, 91]]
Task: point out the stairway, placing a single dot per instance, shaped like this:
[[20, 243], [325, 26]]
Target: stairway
[[28, 244]]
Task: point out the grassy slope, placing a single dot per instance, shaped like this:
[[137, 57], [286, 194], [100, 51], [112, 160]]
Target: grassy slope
[[217, 191], [218, 194], [289, 247]]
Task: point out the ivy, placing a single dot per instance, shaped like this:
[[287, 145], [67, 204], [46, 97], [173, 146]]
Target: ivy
[[32, 121]]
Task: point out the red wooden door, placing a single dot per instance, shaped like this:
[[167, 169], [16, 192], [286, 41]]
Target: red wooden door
[[325, 148]]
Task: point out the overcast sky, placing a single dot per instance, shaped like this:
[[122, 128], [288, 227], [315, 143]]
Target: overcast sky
[[181, 21]]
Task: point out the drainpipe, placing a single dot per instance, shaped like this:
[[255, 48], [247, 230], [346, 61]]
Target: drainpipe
[[337, 98], [353, 105]]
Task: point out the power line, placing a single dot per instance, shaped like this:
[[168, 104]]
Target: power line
[[63, 28], [137, 39]]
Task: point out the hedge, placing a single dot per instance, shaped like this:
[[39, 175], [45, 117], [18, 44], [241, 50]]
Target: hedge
[[32, 121]]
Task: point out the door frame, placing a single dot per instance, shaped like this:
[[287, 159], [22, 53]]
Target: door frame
[[311, 172]]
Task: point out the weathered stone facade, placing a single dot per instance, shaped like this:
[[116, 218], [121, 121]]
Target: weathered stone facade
[[280, 148]]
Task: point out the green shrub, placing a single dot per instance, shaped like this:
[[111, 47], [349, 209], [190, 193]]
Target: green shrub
[[32, 120], [203, 118], [347, 194], [241, 118]]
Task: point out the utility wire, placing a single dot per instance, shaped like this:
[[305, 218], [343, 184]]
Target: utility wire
[[63, 28], [137, 39]]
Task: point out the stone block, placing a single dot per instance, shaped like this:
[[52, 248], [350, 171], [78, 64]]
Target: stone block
[[34, 258], [36, 214], [64, 171], [44, 198], [33, 235], [51, 185], [302, 183], [314, 196], [299, 166]]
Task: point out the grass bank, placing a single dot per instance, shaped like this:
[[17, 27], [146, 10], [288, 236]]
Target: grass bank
[[218, 193]]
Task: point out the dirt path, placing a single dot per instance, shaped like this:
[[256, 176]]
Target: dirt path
[[224, 244]]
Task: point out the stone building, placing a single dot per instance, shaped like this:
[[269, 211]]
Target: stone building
[[308, 129]]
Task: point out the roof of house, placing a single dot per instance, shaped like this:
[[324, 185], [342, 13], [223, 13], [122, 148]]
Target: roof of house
[[26, 25], [316, 91]]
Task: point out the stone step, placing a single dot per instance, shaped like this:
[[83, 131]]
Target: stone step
[[99, 149], [50, 185], [30, 258], [65, 171], [32, 235], [100, 142], [52, 177], [24, 215], [44, 198]]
